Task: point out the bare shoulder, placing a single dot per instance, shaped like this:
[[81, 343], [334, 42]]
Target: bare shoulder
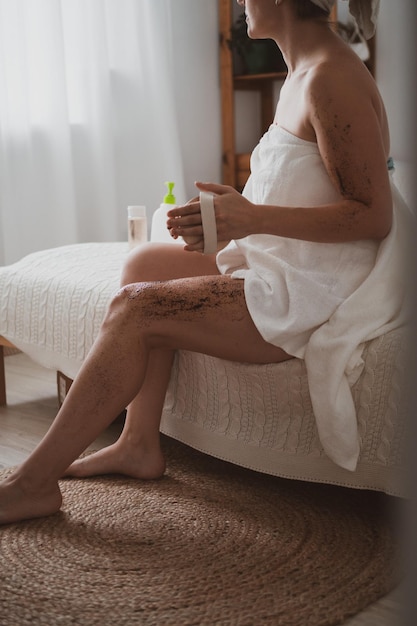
[[342, 87]]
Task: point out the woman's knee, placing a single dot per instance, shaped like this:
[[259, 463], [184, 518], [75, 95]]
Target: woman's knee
[[125, 306], [142, 310], [165, 261], [145, 263]]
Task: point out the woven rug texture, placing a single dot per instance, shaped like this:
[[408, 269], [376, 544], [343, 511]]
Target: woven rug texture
[[209, 544]]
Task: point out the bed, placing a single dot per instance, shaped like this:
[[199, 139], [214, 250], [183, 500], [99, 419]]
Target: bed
[[52, 305]]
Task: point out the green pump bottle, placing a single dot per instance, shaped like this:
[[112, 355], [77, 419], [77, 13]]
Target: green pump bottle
[[159, 231]]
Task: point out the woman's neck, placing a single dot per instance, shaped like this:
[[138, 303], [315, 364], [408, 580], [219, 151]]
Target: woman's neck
[[302, 43]]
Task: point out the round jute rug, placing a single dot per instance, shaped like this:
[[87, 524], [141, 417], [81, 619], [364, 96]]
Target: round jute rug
[[209, 544]]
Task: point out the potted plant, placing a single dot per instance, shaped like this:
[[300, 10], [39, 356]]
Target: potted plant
[[257, 56]]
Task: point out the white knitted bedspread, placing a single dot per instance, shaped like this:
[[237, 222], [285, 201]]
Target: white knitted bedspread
[[52, 304], [261, 417]]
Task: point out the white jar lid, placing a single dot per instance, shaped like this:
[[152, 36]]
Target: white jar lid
[[136, 211]]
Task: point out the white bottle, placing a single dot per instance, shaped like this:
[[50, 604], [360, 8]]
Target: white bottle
[[137, 226], [159, 230]]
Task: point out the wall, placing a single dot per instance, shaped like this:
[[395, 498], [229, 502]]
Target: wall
[[394, 71], [395, 55]]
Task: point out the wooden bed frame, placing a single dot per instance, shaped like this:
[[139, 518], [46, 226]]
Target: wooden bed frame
[[4, 343], [63, 382]]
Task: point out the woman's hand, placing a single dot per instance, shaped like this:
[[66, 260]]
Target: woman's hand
[[235, 217]]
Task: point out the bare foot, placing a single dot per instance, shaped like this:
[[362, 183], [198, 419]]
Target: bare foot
[[120, 458], [17, 503]]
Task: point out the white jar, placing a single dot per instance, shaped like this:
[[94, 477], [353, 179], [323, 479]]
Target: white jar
[[137, 225]]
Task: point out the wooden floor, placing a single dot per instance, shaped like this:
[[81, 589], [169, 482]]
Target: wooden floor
[[32, 406]]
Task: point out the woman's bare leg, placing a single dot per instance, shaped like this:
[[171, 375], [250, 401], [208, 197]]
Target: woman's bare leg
[[204, 314], [137, 452]]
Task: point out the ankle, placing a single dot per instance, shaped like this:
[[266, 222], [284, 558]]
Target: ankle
[[141, 443], [30, 485]]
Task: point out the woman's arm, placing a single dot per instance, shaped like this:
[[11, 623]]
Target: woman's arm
[[348, 128]]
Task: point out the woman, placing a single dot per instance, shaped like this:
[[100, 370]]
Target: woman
[[319, 188]]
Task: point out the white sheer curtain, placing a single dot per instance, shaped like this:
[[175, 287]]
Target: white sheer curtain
[[88, 122]]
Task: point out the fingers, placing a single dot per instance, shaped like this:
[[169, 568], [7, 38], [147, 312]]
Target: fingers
[[197, 246], [189, 210], [193, 206], [185, 222], [215, 188], [190, 235], [183, 217]]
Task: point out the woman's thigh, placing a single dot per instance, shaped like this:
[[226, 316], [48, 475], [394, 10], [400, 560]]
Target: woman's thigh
[[206, 314], [159, 261]]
